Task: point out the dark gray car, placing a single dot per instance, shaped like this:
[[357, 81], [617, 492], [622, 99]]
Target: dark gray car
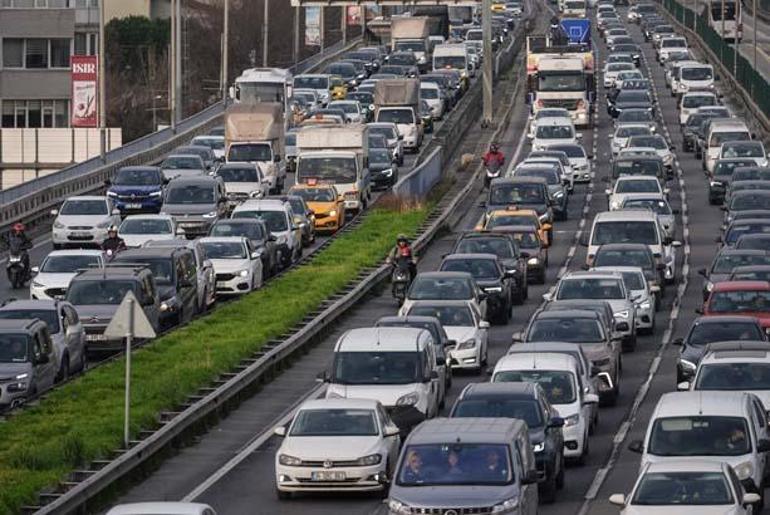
[[195, 203]]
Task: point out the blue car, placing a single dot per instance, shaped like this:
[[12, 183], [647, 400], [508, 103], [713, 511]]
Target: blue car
[[137, 189]]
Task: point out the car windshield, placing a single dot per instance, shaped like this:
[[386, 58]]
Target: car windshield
[[212, 143], [658, 206], [637, 186], [245, 174], [552, 113], [624, 257], [633, 95], [618, 67], [699, 436], [693, 101], [627, 132], [576, 330], [335, 422], [744, 301], [550, 175], [274, 220], [555, 132], [377, 368], [500, 407], [311, 82], [379, 156], [590, 288], [68, 264], [734, 376], [744, 202], [388, 132], [250, 152], [84, 207], [497, 246], [625, 232], [683, 489], [190, 194], [431, 93], [656, 142], [558, 385], [455, 316], [137, 177], [478, 268], [648, 167], [109, 292], [146, 226], [226, 228], [433, 288], [505, 220], [752, 173], [404, 116], [736, 231], [347, 107], [717, 138], [49, 316], [456, 463], [673, 43], [703, 334], [291, 139], [182, 163], [526, 240], [334, 169], [162, 269], [753, 275], [225, 250], [517, 193], [13, 348], [725, 168], [725, 262], [753, 149], [635, 115]]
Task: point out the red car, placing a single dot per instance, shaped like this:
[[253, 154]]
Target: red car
[[748, 298]]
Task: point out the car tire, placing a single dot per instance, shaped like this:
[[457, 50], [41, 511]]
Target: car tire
[[518, 299], [581, 460], [548, 489], [560, 475], [83, 362]]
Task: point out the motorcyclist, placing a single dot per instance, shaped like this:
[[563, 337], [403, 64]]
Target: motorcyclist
[[18, 241], [493, 159], [113, 243], [403, 250], [558, 37]]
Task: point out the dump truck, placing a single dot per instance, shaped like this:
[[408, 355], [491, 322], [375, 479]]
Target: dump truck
[[336, 155], [255, 133], [398, 101]]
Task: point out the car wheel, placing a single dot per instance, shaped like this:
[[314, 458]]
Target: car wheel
[[548, 488], [586, 450], [560, 475]]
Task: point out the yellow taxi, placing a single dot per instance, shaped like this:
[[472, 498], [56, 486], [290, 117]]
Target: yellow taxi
[[338, 88], [513, 215], [327, 205]]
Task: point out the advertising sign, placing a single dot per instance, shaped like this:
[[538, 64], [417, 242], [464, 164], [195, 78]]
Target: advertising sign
[[312, 26], [84, 101]]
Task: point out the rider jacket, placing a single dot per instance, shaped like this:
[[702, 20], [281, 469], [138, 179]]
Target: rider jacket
[[19, 241], [114, 244], [496, 158]]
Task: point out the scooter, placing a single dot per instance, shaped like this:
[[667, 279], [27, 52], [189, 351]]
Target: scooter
[[17, 270], [493, 171], [400, 279]]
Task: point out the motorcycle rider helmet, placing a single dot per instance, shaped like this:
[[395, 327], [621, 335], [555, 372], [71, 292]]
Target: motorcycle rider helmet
[[402, 239], [554, 22], [494, 147], [112, 230], [18, 228]]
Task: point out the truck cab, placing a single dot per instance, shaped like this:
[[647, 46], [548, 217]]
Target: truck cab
[[256, 85]]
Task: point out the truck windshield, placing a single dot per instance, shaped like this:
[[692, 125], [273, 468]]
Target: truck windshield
[[561, 81], [410, 46], [335, 169], [255, 92], [396, 116], [250, 152], [456, 62], [238, 174]]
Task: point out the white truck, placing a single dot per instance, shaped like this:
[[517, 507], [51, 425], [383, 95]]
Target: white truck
[[336, 155], [398, 101], [453, 56], [410, 34], [260, 85], [255, 133], [561, 82]]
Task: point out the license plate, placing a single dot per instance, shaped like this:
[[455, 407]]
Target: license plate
[[221, 284], [77, 234], [327, 475], [134, 206], [95, 338]]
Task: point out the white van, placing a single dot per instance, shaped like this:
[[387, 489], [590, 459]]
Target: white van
[[394, 365], [692, 77], [453, 56], [722, 426], [721, 131]]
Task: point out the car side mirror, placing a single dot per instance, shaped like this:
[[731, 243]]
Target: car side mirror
[[180, 231], [148, 301], [530, 478], [622, 326], [391, 430], [277, 158], [322, 377], [483, 324], [618, 499], [450, 343], [483, 295], [35, 270], [591, 398], [684, 386], [636, 446], [584, 239], [43, 359], [556, 422], [548, 297], [679, 342], [280, 431], [54, 212], [517, 337], [751, 498], [703, 272], [255, 255], [116, 212], [763, 445]]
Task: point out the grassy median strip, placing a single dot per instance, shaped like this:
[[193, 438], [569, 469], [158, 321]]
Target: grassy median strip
[[82, 420]]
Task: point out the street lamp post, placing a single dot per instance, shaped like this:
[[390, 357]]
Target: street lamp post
[[102, 116], [486, 30], [265, 31], [225, 56]]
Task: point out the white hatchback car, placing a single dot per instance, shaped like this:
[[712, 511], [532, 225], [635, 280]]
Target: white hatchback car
[[136, 230], [611, 71], [83, 221], [645, 300], [558, 375], [167, 508], [237, 266], [553, 131], [624, 132], [52, 278], [335, 445], [631, 184], [543, 113]]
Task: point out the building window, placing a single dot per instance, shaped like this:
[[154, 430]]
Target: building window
[[60, 53], [36, 53], [85, 43], [13, 53], [35, 113], [42, 4]]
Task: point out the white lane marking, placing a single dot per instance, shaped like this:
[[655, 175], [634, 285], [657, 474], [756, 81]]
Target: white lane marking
[[644, 388], [258, 441]]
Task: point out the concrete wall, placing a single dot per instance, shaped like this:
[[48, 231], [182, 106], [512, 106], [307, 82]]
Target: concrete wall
[[54, 146]]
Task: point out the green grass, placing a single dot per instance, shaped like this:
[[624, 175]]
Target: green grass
[[82, 420]]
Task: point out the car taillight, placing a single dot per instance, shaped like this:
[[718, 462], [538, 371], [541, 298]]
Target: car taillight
[[581, 104], [540, 103]]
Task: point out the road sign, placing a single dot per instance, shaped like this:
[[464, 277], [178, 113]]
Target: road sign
[[120, 325]]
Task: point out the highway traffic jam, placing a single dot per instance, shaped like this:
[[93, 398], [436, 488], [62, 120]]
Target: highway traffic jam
[[554, 353]]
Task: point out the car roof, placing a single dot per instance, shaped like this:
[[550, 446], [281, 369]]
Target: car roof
[[520, 179], [75, 252], [721, 319], [591, 274], [536, 360], [566, 313], [384, 339], [16, 324], [712, 402], [625, 215], [153, 508], [269, 204], [467, 430], [142, 168], [738, 346], [616, 268], [448, 275], [741, 286], [145, 252], [339, 403], [223, 239], [509, 389], [85, 197], [687, 464], [111, 271], [475, 255], [203, 180], [422, 319], [30, 304]]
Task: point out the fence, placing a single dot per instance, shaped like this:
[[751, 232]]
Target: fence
[[742, 71]]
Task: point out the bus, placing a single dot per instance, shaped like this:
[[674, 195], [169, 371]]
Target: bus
[[725, 18]]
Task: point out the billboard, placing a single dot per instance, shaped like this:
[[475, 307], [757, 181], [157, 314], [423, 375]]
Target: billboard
[[312, 26], [84, 101]]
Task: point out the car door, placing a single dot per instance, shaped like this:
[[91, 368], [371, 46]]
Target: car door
[[392, 443], [481, 330], [437, 384], [74, 335], [190, 271], [528, 492], [254, 262], [147, 292], [759, 420], [45, 372], [113, 213]]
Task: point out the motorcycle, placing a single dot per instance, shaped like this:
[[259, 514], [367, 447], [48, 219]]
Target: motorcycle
[[17, 269], [493, 171], [400, 279]]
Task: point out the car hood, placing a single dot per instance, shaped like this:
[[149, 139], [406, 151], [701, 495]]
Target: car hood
[[135, 190], [632, 105], [594, 351], [454, 496], [321, 207], [378, 167], [81, 220], [241, 187], [387, 394], [680, 510], [540, 208], [223, 266], [166, 291], [460, 333], [54, 280], [319, 448], [137, 240], [188, 209], [96, 313], [11, 370]]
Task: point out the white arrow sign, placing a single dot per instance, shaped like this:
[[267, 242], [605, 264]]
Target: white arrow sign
[[120, 325]]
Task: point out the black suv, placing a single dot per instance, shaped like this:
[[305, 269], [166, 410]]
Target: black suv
[[176, 278], [525, 401], [506, 250], [257, 233], [96, 295]]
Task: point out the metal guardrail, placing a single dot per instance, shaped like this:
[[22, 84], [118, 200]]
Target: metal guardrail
[[32, 200], [418, 182]]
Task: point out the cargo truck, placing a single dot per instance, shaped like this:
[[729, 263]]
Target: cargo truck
[[398, 101], [255, 133], [410, 34], [339, 156], [260, 85]]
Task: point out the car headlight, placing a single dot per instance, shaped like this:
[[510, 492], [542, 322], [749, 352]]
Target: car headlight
[[399, 508], [387, 172], [372, 459], [533, 261], [169, 305], [211, 214], [410, 399], [244, 273], [506, 506], [290, 461], [544, 217], [37, 285], [494, 289], [112, 194], [21, 376], [467, 344], [688, 365], [572, 420], [538, 447], [709, 286], [333, 213], [745, 470], [645, 305], [58, 225], [621, 314], [156, 193], [615, 205], [16, 387], [104, 224], [558, 194]]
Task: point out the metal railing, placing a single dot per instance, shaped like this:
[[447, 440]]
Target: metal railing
[[418, 182]]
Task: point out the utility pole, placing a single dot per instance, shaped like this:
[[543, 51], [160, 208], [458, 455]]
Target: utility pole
[[265, 32], [363, 22], [295, 52], [695, 18], [102, 93], [172, 69], [722, 46], [225, 42], [178, 60], [754, 11], [486, 30], [737, 41], [321, 27], [344, 25]]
